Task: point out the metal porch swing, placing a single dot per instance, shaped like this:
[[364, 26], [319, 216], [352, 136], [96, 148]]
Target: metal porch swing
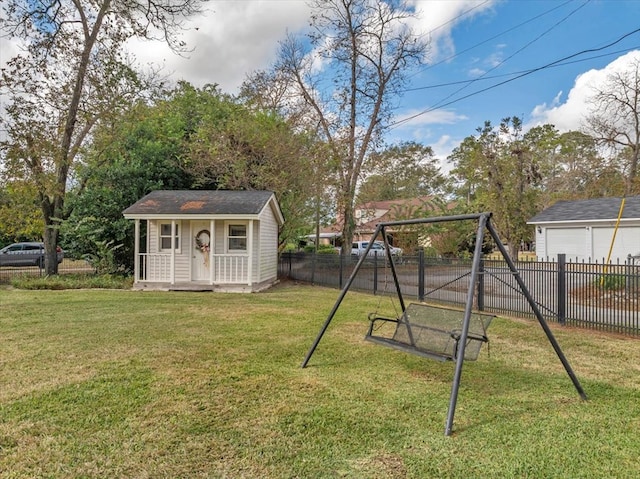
[[432, 332], [436, 332]]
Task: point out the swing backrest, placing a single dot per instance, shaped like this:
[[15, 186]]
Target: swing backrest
[[434, 332]]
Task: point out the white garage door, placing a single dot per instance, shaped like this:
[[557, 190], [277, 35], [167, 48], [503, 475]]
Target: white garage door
[[627, 242], [570, 241]]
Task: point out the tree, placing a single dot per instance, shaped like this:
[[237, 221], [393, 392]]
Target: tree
[[71, 75], [614, 119], [185, 138], [403, 171], [20, 217], [503, 172], [576, 170], [342, 82], [237, 146], [140, 153]]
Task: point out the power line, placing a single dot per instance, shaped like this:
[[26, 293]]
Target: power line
[[555, 25], [528, 72], [515, 27], [463, 14], [492, 77]]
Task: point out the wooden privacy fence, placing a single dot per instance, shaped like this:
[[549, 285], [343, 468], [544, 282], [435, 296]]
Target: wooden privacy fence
[[598, 296]]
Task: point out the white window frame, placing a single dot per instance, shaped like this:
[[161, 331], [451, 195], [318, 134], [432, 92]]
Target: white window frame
[[227, 236], [177, 243]]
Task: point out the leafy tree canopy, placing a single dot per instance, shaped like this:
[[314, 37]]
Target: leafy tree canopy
[[404, 171]]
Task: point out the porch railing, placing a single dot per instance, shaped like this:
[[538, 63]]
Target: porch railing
[[155, 267], [227, 268], [230, 268]]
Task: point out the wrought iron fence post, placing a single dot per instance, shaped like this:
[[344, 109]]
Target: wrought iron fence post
[[375, 272], [421, 275], [481, 286], [313, 267], [562, 288], [341, 269]]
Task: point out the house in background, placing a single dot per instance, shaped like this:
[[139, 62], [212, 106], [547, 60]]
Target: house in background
[[368, 215], [584, 230], [206, 240]]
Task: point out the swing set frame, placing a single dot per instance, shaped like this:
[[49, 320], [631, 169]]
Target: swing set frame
[[484, 225]]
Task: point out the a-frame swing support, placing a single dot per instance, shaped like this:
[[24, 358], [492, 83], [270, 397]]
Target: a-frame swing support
[[484, 224]]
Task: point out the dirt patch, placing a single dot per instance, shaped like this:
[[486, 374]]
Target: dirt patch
[[383, 465], [626, 299]]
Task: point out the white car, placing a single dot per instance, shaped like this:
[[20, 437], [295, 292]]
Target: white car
[[394, 251], [377, 249]]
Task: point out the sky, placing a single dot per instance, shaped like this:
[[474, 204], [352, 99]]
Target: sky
[[478, 49]]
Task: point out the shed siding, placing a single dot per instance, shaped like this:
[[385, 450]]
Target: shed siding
[[219, 238], [255, 253], [152, 237], [268, 245]]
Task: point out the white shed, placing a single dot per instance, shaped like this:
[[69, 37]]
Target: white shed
[[206, 240], [585, 230]]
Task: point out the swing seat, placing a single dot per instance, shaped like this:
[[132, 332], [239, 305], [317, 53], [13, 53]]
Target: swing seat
[[430, 331]]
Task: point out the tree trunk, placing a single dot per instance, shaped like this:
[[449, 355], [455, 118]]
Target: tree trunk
[[514, 248], [50, 237], [348, 228]]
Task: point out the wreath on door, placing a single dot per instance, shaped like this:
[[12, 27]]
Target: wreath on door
[[203, 242]]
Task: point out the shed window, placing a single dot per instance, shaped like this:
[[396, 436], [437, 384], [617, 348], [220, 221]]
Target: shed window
[[237, 237], [165, 237]]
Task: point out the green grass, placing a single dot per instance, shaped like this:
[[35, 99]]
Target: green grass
[[128, 384]]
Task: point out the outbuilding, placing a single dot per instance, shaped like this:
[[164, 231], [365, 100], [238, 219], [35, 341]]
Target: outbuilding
[[588, 230], [206, 240]]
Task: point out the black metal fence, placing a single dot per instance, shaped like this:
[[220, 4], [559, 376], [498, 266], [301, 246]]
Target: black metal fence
[[67, 266], [590, 295]]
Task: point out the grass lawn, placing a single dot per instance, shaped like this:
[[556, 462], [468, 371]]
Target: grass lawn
[[97, 383]]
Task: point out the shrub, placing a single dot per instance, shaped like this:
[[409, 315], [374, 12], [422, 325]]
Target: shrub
[[611, 281], [322, 249], [73, 281]]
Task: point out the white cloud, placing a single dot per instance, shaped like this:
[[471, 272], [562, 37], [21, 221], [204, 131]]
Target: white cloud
[[476, 72], [233, 38], [417, 118], [570, 115], [438, 17], [8, 49], [444, 146], [229, 41], [419, 130]]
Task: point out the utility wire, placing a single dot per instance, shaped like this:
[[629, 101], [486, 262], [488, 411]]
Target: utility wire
[[492, 77], [553, 27], [528, 72], [515, 27], [463, 14]]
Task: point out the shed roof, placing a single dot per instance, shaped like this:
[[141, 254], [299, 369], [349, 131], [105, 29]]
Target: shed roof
[[594, 209], [180, 203]]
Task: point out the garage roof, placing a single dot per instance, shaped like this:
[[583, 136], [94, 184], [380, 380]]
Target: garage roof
[[594, 209]]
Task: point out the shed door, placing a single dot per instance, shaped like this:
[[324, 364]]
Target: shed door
[[200, 253]]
